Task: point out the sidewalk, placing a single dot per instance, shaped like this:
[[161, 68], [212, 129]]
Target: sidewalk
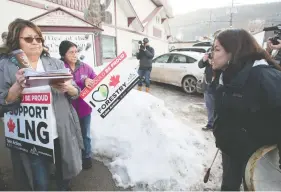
[[96, 179]]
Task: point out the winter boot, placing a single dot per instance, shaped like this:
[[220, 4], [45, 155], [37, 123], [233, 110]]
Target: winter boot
[[147, 89], [140, 88]]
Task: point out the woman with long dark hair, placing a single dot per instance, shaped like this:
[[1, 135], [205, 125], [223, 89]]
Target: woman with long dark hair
[[32, 171], [248, 102]]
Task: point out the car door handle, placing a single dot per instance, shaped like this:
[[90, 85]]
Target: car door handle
[[161, 65], [183, 67]]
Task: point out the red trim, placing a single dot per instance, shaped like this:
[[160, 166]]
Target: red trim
[[152, 15], [61, 9], [98, 51], [67, 29], [115, 27], [157, 5], [130, 20], [135, 13]]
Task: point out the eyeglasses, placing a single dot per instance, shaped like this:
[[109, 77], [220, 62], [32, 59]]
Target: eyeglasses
[[30, 39]]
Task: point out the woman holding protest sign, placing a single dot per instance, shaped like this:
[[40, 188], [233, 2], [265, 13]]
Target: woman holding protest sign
[[83, 75], [31, 171]]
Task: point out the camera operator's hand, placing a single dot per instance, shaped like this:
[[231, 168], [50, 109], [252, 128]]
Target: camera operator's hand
[[275, 46]]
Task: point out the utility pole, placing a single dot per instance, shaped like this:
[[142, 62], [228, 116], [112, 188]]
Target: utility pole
[[231, 14], [210, 22]]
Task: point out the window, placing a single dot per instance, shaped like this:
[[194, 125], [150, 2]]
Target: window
[[190, 60], [162, 59], [135, 47], [108, 47], [183, 59], [179, 59]]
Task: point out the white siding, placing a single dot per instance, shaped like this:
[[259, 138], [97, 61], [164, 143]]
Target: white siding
[[125, 43], [143, 8], [159, 26], [122, 20], [18, 11], [125, 38]]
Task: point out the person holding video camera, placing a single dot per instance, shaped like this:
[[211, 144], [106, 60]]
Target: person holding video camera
[[210, 80], [145, 55], [274, 45]]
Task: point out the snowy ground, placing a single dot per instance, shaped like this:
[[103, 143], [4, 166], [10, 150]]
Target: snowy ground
[[154, 144]]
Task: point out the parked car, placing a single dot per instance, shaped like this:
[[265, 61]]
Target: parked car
[[194, 49], [179, 69], [203, 44]]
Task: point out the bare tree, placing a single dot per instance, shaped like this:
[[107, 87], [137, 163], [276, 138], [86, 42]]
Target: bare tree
[[96, 12]]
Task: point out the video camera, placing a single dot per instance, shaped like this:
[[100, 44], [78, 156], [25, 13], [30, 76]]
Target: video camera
[[277, 32], [142, 43]]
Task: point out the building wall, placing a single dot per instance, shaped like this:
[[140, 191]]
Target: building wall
[[17, 12], [143, 8], [127, 37]]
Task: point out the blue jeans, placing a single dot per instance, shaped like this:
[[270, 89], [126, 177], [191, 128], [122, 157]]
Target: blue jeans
[[210, 105], [144, 74], [85, 123], [40, 171]]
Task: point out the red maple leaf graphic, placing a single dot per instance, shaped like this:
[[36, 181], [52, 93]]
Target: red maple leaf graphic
[[114, 80], [11, 125]]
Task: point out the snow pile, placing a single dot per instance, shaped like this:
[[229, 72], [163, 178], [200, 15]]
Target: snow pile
[[146, 147]]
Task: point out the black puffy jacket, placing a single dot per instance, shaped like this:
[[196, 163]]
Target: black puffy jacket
[[146, 57], [248, 111]]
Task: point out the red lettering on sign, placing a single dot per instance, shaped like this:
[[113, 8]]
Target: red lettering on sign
[[37, 98], [84, 93]]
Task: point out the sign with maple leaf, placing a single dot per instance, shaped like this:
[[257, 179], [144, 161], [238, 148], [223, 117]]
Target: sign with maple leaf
[[114, 80], [11, 125], [111, 86], [30, 128]]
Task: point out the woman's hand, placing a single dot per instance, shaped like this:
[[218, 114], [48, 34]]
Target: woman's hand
[[17, 88], [89, 83], [62, 86], [65, 87], [206, 57], [20, 79], [278, 46]]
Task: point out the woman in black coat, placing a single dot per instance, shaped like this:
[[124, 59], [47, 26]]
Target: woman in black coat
[[247, 102]]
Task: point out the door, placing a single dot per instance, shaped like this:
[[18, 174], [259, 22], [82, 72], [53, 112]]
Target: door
[[179, 66], [158, 66]]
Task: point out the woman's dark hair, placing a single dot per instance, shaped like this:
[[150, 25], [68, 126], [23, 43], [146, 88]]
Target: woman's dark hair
[[243, 48], [14, 31], [64, 47]]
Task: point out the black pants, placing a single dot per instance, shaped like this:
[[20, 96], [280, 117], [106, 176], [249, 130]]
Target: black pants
[[233, 174]]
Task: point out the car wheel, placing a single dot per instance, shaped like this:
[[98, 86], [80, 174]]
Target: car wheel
[[189, 84]]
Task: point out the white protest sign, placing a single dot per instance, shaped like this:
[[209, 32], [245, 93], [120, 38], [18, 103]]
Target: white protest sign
[[111, 85], [30, 127], [84, 42]]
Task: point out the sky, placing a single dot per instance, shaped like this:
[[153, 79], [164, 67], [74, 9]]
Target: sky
[[184, 6]]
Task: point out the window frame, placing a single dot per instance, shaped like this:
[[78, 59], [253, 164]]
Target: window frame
[[115, 46]]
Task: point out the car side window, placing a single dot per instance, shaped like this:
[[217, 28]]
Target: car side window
[[179, 59], [162, 59], [190, 60]]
